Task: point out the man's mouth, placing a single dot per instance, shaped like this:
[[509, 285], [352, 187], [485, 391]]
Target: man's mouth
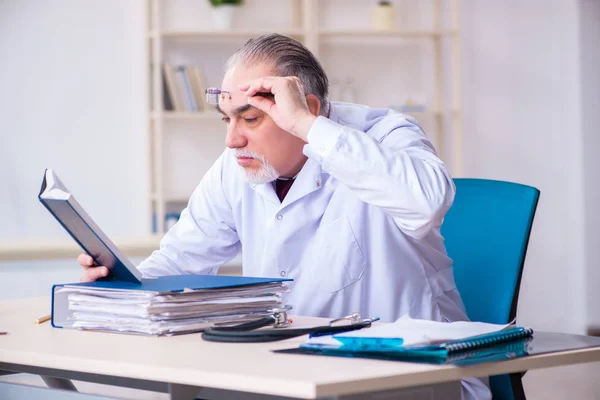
[[245, 161]]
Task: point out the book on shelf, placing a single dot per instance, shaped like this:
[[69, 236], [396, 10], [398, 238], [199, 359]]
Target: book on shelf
[[168, 98], [184, 88], [125, 301], [175, 95], [183, 79], [198, 86]]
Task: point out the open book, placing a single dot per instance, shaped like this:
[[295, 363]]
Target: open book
[[69, 213]]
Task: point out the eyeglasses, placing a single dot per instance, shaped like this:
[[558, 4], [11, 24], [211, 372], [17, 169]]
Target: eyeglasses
[[213, 95], [351, 319]]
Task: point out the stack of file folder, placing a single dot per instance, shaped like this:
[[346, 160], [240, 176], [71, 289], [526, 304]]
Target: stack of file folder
[[165, 306], [127, 302]]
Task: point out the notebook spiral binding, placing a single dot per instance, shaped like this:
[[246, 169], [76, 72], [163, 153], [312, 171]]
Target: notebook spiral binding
[[454, 347], [512, 349]]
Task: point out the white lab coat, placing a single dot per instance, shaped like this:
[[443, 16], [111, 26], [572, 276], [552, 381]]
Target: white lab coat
[[359, 229]]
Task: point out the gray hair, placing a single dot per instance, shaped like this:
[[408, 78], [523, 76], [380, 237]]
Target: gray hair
[[288, 57]]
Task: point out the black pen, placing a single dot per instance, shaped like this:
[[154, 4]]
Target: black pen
[[331, 330]]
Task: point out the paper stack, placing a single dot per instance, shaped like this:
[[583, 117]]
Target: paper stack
[[164, 312]]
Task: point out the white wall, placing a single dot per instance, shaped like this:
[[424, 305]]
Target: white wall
[[73, 98], [589, 33], [523, 123]]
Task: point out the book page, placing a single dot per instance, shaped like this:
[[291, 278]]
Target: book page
[[417, 331]]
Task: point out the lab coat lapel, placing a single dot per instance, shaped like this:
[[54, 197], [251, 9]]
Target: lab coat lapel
[[267, 191], [307, 181]]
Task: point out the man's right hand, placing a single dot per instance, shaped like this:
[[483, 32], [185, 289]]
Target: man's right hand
[[91, 272]]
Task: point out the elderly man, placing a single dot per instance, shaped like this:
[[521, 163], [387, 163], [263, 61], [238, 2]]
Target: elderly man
[[345, 199]]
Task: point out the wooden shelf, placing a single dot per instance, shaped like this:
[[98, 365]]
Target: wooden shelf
[[197, 43], [143, 246], [187, 115], [45, 250], [426, 113], [232, 34], [215, 116], [365, 33], [177, 198], [430, 113], [172, 198]]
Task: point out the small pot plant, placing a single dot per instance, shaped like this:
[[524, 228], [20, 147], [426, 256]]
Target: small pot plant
[[384, 18], [223, 11], [217, 3]]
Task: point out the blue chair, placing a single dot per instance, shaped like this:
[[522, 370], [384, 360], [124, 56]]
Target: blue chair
[[487, 231]]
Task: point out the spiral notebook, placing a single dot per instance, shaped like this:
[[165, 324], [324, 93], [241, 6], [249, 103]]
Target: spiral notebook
[[419, 339], [498, 352]]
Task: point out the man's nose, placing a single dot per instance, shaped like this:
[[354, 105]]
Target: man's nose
[[235, 136]]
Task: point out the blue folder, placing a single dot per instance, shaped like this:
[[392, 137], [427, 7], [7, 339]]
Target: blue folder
[[178, 283], [161, 285]]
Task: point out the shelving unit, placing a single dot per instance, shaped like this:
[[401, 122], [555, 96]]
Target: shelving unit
[[316, 23], [219, 34]]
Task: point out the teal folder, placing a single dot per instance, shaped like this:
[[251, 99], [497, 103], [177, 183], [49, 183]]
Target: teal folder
[[438, 350], [498, 352], [494, 346], [540, 343]]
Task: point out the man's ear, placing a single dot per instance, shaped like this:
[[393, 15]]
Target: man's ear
[[314, 104]]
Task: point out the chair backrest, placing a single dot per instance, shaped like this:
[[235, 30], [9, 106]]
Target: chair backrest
[[486, 233]]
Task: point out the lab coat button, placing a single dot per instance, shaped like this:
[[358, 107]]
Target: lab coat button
[[279, 217], [282, 273]]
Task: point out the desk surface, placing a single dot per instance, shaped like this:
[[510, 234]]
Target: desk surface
[[252, 367]]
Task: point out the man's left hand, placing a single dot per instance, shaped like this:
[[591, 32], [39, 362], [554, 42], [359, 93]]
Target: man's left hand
[[288, 108]]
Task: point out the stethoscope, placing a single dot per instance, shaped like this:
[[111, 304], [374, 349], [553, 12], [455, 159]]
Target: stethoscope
[[247, 333]]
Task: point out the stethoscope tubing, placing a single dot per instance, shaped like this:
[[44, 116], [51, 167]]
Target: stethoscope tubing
[[243, 334]]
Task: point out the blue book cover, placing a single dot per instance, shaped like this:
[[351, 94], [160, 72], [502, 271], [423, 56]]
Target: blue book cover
[[59, 201], [180, 283], [187, 86]]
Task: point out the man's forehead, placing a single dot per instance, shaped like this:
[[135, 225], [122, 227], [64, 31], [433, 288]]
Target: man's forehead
[[240, 74], [234, 77]]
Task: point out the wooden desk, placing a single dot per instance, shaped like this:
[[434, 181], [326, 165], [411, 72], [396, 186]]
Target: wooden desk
[[182, 365]]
